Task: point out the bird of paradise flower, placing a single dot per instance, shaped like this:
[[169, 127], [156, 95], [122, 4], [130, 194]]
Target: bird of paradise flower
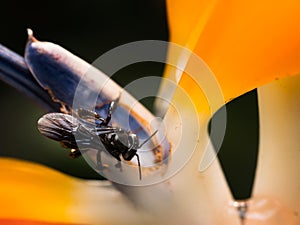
[[262, 43]]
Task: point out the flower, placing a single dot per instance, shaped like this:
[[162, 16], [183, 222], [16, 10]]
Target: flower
[[246, 45]]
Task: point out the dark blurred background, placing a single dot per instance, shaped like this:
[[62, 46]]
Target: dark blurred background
[[88, 29]]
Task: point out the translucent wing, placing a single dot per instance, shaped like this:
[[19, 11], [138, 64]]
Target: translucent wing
[[64, 128]]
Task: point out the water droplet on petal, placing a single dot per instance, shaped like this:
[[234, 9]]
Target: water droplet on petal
[[265, 211]]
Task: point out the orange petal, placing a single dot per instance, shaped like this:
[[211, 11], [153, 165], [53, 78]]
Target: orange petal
[[29, 222], [33, 192], [245, 43]]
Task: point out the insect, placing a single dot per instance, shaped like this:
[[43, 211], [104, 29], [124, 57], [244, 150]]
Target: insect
[[87, 129]]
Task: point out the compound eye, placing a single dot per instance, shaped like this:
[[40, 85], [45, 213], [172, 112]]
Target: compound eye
[[133, 141]]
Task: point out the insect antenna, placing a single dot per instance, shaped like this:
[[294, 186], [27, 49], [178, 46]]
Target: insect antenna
[[144, 142]]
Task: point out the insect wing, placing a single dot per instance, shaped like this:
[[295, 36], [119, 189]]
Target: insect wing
[[67, 130], [72, 132], [57, 126]]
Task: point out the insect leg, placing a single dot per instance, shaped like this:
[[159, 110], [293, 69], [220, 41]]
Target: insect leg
[[113, 105], [129, 155], [119, 165], [89, 115], [139, 165], [92, 115], [99, 161]]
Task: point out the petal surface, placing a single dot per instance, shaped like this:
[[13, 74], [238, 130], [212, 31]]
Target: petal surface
[[34, 194], [245, 43]]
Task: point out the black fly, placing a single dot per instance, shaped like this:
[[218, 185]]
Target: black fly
[[86, 130]]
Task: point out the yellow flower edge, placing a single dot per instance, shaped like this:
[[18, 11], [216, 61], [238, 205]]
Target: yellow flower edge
[[34, 192], [245, 43], [29, 222]]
